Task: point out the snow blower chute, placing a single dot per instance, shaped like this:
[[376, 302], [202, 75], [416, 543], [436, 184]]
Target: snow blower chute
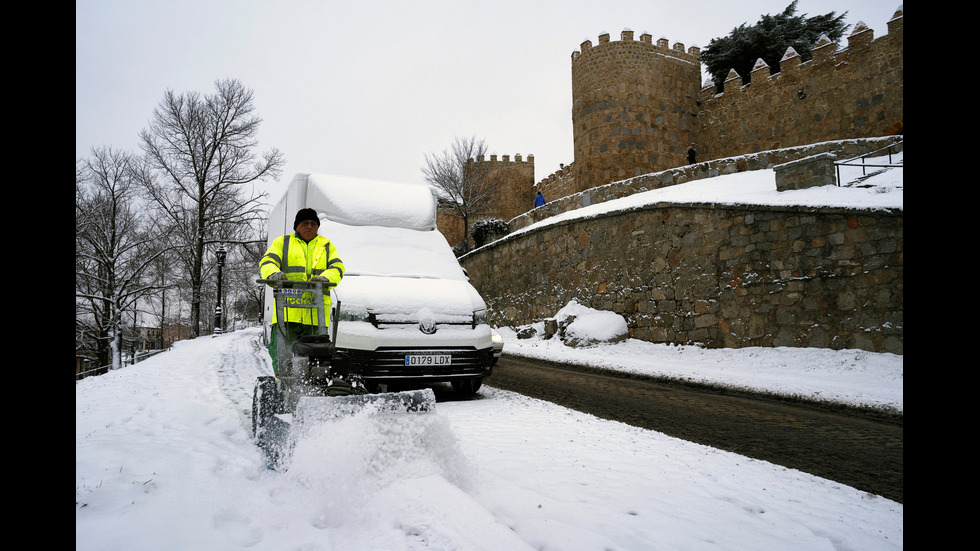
[[308, 390]]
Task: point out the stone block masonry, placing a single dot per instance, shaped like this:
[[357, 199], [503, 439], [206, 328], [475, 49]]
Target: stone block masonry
[[815, 171], [712, 275]]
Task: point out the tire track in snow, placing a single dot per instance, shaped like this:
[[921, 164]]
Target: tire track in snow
[[244, 359]]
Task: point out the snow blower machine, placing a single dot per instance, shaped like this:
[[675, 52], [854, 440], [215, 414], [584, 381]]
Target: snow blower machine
[[309, 389]]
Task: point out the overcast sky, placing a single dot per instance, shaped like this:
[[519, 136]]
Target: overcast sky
[[366, 88]]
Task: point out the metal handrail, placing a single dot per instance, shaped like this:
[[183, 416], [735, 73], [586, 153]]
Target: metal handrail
[[864, 166]]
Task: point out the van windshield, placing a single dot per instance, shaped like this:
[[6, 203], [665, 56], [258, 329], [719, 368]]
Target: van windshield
[[392, 252]]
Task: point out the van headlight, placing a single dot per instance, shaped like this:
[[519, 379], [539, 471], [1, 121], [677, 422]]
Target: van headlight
[[479, 317], [355, 315]]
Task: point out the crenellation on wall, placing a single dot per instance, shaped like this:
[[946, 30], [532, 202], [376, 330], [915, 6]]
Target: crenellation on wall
[[790, 62], [505, 159], [733, 82], [861, 36], [662, 45], [895, 23], [757, 71], [823, 50]]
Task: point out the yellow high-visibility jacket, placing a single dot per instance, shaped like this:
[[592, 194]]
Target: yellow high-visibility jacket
[[301, 261]]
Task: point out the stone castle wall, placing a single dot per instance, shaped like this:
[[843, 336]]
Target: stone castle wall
[[719, 276], [560, 183], [516, 182], [515, 193], [856, 92], [451, 226]]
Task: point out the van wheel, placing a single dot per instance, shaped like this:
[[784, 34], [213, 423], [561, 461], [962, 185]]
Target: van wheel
[[467, 386]]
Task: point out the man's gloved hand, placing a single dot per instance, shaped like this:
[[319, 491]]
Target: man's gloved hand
[[326, 283], [278, 276]]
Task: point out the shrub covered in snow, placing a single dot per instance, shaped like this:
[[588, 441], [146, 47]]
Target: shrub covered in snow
[[488, 229]]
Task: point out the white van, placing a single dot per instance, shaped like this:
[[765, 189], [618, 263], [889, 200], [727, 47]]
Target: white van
[[405, 310]]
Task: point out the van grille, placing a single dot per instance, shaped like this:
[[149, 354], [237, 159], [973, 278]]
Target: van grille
[[389, 363]]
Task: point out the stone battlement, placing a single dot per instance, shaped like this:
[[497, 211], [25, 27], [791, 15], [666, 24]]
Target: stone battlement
[[854, 92], [661, 46], [504, 159]]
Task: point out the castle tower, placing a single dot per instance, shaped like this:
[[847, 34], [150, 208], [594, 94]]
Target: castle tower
[[633, 107], [515, 181], [514, 195]]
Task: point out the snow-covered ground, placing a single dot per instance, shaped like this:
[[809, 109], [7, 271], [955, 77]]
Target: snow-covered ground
[[164, 459]]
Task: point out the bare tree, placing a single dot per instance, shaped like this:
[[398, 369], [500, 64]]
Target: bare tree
[[200, 167], [113, 249], [467, 188], [244, 295]]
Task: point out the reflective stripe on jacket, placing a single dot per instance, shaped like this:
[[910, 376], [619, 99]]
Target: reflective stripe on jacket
[[301, 261]]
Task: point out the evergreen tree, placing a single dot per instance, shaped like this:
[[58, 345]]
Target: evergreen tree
[[769, 39]]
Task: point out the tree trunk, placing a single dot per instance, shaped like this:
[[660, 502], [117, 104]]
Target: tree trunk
[[196, 287]]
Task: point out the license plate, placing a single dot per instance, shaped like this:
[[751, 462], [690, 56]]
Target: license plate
[[428, 359]]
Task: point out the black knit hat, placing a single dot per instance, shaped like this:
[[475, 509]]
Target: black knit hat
[[305, 214]]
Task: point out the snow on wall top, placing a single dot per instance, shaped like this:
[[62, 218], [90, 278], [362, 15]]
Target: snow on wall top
[[360, 202]]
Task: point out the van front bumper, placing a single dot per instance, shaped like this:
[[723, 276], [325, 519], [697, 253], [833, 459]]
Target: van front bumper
[[401, 364]]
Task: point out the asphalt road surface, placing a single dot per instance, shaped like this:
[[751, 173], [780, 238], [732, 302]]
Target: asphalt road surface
[[859, 448]]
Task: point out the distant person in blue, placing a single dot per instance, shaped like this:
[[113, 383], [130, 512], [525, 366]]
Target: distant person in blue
[[538, 200]]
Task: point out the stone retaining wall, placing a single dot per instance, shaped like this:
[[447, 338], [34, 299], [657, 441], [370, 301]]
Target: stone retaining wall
[[720, 276]]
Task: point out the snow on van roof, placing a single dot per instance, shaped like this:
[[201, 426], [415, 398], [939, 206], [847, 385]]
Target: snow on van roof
[[360, 202]]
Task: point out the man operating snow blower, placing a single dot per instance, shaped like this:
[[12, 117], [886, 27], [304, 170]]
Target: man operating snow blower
[[307, 389], [301, 256]]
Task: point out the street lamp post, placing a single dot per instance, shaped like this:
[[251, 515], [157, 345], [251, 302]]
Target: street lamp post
[[220, 253]]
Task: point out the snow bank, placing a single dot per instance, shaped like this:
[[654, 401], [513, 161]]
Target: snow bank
[[591, 326]]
